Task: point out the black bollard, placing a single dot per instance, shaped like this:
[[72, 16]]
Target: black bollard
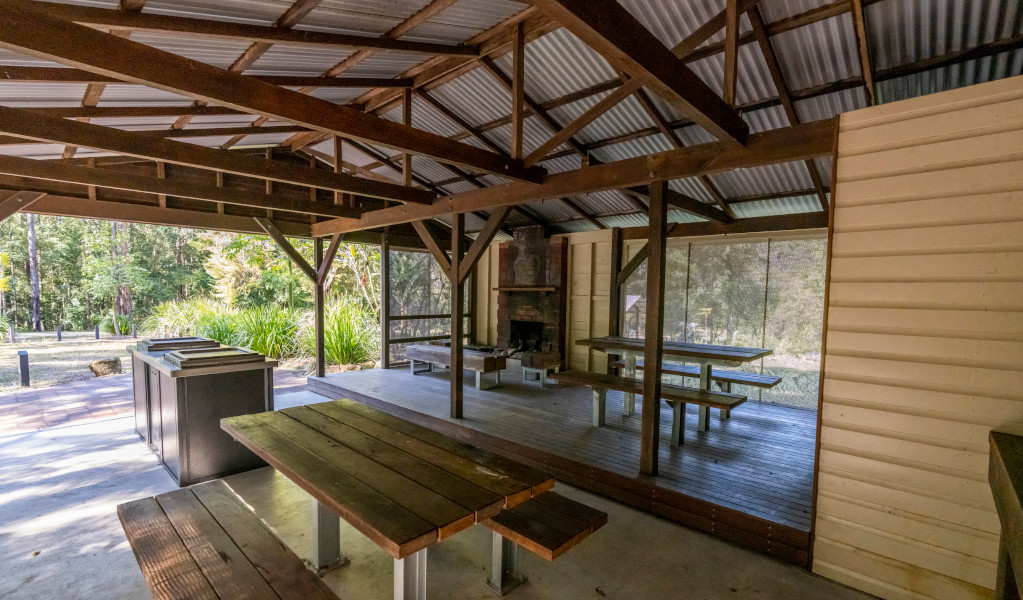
[[23, 367], [58, 333], [97, 331]]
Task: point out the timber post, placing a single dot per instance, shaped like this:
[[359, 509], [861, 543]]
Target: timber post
[[23, 367]]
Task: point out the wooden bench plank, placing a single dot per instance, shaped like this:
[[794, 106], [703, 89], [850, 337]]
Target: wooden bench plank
[[483, 502], [669, 393], [224, 565], [740, 377], [538, 481], [391, 526], [548, 525], [447, 516], [455, 464], [483, 362], [169, 570], [281, 568]]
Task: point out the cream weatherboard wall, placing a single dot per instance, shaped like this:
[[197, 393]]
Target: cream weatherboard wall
[[589, 280], [924, 350]]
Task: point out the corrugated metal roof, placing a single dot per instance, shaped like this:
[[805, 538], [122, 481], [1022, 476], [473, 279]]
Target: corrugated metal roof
[[776, 206], [298, 60], [360, 16], [819, 53], [219, 52], [476, 97], [463, 20], [830, 105], [386, 64], [337, 95], [559, 63], [769, 179], [41, 94], [255, 12], [670, 20], [534, 133], [139, 95], [1008, 64]]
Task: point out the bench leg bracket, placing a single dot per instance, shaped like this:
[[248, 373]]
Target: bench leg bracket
[[629, 408], [410, 577], [678, 423], [481, 386], [504, 574]]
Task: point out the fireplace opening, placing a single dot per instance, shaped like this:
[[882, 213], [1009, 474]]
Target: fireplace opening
[[526, 335]]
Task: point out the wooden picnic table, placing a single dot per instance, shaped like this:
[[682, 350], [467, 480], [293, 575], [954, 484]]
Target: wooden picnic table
[[402, 485], [705, 354]]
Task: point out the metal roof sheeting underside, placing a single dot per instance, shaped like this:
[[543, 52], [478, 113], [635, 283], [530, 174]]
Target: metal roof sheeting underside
[[900, 32]]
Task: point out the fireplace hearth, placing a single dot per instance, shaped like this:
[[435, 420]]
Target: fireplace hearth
[[532, 296]]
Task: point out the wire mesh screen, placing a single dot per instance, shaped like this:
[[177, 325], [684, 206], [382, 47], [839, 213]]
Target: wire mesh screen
[[675, 283], [420, 301], [766, 294], [795, 313]]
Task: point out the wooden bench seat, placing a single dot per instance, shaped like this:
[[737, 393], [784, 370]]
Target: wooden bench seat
[[547, 525], [719, 375], [203, 543], [480, 362], [675, 395]]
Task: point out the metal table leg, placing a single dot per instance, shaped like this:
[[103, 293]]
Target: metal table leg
[[599, 407], [504, 574], [724, 414], [410, 577], [678, 423], [629, 408], [705, 373], [327, 537]]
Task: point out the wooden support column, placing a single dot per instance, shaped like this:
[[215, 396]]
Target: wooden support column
[[615, 298], [406, 119], [385, 300], [518, 89], [457, 231], [731, 51], [321, 360], [654, 334]]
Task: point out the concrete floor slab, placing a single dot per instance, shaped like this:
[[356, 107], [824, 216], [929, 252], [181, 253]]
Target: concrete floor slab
[[60, 537]]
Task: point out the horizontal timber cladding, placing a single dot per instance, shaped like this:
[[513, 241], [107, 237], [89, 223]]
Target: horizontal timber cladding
[[924, 348]]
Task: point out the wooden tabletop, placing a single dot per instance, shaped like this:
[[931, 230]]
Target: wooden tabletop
[[403, 486], [618, 345]]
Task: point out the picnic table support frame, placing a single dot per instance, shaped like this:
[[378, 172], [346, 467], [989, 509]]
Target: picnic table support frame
[[504, 566], [410, 577], [725, 413], [629, 406], [706, 370], [489, 386], [599, 407], [326, 537]]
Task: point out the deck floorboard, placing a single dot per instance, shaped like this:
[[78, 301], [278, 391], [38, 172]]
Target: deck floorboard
[[759, 462]]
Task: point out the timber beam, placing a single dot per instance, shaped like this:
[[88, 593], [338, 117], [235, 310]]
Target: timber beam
[[611, 30], [27, 29], [32, 125], [184, 26], [776, 146], [49, 170], [62, 75]]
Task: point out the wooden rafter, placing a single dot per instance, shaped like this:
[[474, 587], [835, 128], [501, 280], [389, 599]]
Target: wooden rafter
[[12, 202], [863, 46], [433, 245], [70, 206], [613, 32], [296, 257], [731, 51], [183, 134], [63, 75], [468, 127], [683, 202], [418, 18], [771, 147], [132, 5], [184, 26], [30, 31], [760, 32], [328, 259], [28, 124], [480, 244], [123, 180]]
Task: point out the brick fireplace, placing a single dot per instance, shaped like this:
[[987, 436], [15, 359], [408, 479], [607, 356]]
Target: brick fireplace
[[532, 294]]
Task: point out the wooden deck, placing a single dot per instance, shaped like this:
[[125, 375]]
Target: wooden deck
[[748, 479]]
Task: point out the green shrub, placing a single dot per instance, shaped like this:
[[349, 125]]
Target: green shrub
[[349, 335], [123, 322], [200, 316], [269, 330]]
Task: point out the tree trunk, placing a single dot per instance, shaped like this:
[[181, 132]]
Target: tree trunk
[[33, 273], [125, 292]]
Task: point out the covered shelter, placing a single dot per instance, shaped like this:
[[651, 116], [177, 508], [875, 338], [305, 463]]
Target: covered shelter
[[596, 149]]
